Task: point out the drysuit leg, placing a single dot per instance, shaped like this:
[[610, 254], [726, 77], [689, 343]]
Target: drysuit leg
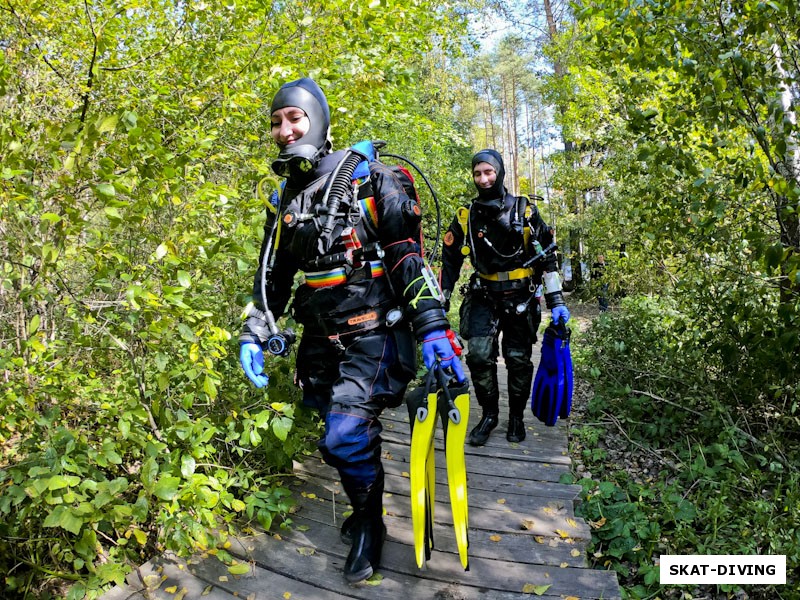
[[517, 350], [483, 353]]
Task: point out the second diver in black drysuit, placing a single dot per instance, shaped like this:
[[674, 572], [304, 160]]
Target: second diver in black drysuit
[[500, 234]]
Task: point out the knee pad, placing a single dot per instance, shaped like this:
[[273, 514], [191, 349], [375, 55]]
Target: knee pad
[[350, 439]]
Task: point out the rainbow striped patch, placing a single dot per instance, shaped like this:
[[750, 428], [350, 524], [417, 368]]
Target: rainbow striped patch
[[369, 209], [321, 279]]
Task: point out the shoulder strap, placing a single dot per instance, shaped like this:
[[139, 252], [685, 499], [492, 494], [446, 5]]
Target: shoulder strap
[[528, 212], [462, 214]]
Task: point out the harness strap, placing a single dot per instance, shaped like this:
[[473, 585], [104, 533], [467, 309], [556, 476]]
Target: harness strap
[[319, 279], [507, 275]]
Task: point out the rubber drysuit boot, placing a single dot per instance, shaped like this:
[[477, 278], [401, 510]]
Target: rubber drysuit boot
[[516, 429], [367, 533], [480, 434], [516, 405]]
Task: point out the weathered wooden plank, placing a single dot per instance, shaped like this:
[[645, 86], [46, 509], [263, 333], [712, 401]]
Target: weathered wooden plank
[[489, 464], [165, 576], [541, 550], [489, 499], [493, 518], [322, 555], [397, 474], [522, 451], [397, 420], [123, 592]]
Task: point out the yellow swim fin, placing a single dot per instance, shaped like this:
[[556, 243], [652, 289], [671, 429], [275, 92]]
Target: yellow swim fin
[[455, 419], [423, 423]]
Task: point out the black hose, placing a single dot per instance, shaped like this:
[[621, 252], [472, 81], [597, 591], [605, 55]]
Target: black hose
[[435, 202], [341, 184]]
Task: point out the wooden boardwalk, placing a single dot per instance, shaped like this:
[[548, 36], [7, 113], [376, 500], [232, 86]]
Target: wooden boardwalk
[[525, 540]]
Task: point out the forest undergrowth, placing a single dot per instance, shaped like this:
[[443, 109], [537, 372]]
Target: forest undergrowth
[[665, 470]]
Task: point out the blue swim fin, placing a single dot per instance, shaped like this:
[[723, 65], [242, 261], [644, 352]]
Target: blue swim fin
[[551, 396], [565, 359]]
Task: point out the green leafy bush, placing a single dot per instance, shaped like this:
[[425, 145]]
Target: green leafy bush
[[719, 488]]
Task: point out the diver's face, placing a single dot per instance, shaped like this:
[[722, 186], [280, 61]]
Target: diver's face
[[289, 124], [484, 175]]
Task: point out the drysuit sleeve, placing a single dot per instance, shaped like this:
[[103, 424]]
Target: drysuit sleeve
[[279, 282], [544, 234], [452, 257], [400, 234]]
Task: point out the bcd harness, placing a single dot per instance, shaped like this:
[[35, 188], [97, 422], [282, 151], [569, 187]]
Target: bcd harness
[[464, 216], [347, 213]]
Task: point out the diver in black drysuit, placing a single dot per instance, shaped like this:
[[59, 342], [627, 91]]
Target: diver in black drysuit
[[499, 233], [350, 363]]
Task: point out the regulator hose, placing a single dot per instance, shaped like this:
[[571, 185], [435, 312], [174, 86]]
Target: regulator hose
[[435, 202], [341, 184]]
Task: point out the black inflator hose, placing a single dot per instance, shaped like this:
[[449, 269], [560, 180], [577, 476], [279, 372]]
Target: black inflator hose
[[435, 202], [341, 184]]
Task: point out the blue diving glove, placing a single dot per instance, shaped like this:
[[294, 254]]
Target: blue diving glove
[[443, 345], [560, 314], [251, 358]]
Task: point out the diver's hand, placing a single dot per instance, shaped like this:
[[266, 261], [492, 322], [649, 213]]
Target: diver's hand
[[560, 314], [251, 357], [439, 345]]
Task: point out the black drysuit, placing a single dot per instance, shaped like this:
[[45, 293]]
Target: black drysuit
[[499, 297], [350, 364]]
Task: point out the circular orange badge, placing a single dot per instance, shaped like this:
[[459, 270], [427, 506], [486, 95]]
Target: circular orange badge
[[449, 238]]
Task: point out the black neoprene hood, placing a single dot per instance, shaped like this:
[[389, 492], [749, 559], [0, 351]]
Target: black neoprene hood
[[493, 158], [307, 95]]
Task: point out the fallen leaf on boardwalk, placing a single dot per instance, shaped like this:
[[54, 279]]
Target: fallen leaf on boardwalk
[[287, 595], [572, 598], [207, 590], [528, 524], [572, 523], [564, 565], [180, 595], [575, 552], [374, 580], [405, 474], [276, 536], [529, 588], [539, 539], [181, 567], [239, 569], [597, 524], [501, 500], [302, 528], [562, 533], [152, 581], [548, 510], [306, 551], [223, 578], [171, 589], [252, 596], [495, 538]]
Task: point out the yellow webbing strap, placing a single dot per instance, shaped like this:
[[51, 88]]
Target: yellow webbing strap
[[507, 275]]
